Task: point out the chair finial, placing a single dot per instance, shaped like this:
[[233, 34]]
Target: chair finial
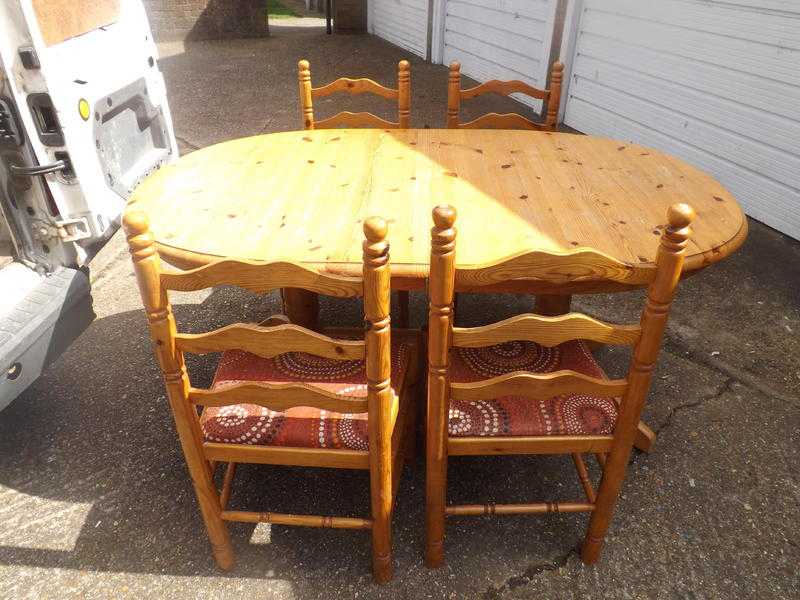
[[303, 65], [680, 216], [375, 229], [455, 66], [444, 216], [135, 222], [404, 65]]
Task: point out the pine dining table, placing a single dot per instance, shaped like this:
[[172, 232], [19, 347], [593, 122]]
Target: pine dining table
[[302, 196]]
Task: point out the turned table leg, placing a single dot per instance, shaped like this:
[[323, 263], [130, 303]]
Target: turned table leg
[[301, 306], [552, 305]]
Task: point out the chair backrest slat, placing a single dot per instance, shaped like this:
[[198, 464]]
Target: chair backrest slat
[[270, 341], [355, 86], [354, 120], [538, 386], [501, 121], [401, 94], [581, 264], [551, 97], [261, 278], [278, 397], [504, 88], [546, 331]]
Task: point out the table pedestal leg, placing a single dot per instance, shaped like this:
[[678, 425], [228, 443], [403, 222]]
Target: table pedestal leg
[[553, 305], [301, 306]]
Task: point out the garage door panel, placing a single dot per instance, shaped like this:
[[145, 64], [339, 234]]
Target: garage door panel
[[511, 22], [752, 90], [755, 193], [401, 22], [699, 46], [746, 23], [730, 115], [740, 151], [716, 84], [520, 46], [523, 65]]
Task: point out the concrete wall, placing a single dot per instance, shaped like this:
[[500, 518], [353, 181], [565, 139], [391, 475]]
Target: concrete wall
[[206, 19]]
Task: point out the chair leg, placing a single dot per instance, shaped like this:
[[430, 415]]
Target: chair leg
[[216, 528], [404, 300], [382, 534], [410, 450], [435, 495], [613, 475], [380, 481], [202, 480]]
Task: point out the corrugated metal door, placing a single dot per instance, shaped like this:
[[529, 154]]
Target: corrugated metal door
[[499, 39], [715, 83], [401, 22]]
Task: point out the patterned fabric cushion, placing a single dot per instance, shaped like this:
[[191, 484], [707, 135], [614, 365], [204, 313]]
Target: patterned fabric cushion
[[300, 426], [523, 416]]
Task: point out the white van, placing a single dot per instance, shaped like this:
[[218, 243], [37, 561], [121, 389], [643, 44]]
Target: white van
[[83, 118]]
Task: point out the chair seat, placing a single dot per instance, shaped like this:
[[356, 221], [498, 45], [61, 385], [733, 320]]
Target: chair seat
[[301, 427], [525, 416]]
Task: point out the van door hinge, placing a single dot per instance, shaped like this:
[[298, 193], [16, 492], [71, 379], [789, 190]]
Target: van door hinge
[[66, 230]]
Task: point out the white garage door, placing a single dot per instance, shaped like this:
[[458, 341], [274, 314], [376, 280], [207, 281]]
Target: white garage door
[[715, 83], [401, 22], [498, 39]]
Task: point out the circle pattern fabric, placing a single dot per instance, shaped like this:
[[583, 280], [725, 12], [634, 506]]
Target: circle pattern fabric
[[491, 361]]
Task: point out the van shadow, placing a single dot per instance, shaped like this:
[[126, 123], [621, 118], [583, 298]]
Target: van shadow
[[95, 434]]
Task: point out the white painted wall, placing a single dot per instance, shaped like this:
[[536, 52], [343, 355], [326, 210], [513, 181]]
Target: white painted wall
[[495, 39], [401, 22], [714, 82]]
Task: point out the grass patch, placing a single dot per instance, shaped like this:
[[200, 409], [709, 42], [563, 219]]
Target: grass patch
[[276, 10]]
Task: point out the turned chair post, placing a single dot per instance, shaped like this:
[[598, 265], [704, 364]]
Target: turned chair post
[[554, 99], [379, 391], [669, 262], [146, 264], [453, 95], [440, 317], [404, 94], [306, 102]]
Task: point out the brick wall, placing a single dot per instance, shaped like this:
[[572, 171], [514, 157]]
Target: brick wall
[[206, 19]]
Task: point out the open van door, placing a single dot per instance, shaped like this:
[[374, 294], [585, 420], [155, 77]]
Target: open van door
[[83, 119]]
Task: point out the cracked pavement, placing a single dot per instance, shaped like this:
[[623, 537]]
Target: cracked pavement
[[96, 502]]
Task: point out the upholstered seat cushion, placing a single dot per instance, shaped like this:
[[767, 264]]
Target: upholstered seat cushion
[[523, 416], [300, 426]]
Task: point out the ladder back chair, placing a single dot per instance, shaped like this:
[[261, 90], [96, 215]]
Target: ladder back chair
[[283, 394], [401, 94], [529, 384], [550, 98]]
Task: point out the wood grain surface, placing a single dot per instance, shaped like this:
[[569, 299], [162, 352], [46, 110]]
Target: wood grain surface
[[303, 196]]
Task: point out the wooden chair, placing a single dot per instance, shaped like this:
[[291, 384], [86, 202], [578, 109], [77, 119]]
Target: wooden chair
[[285, 395], [529, 385], [551, 98], [401, 94]]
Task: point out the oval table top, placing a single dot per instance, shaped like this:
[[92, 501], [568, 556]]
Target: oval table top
[[302, 196]]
